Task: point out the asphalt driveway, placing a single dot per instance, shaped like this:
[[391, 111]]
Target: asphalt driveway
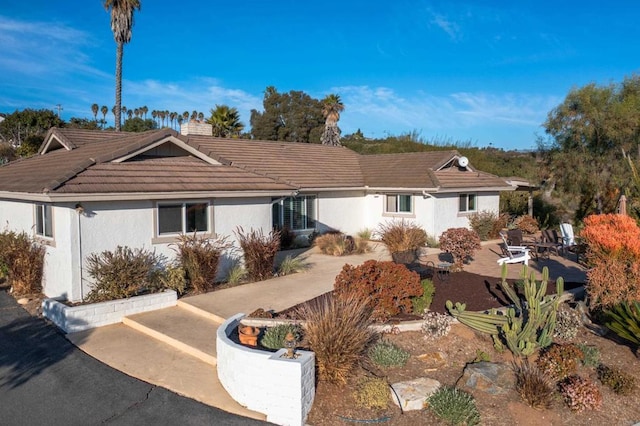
[[44, 379]]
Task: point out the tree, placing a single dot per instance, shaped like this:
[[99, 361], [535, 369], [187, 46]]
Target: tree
[[332, 106], [82, 123], [588, 133], [144, 110], [94, 109], [137, 124], [225, 121], [121, 25], [104, 110], [292, 117], [21, 125]]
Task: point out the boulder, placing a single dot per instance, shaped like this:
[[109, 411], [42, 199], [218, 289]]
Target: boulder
[[489, 377], [412, 394]]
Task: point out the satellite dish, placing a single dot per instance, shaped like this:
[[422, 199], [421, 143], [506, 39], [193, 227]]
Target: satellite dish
[[463, 162]]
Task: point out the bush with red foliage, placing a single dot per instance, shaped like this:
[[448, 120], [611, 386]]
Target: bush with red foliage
[[461, 243], [388, 285], [613, 255]]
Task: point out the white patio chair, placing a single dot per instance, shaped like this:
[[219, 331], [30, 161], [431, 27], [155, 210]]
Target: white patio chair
[[513, 254], [568, 238]]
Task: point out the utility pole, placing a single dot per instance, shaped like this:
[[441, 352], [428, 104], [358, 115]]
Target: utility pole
[[59, 108]]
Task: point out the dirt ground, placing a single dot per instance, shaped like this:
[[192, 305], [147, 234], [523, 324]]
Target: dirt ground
[[335, 405]]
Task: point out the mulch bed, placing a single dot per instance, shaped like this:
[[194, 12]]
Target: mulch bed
[[478, 292]]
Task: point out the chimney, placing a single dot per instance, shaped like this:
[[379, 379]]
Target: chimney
[[194, 127]]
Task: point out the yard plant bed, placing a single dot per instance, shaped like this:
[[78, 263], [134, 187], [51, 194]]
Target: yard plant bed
[[336, 404]]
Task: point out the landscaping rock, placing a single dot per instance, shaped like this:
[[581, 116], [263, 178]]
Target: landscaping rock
[[489, 377], [412, 394], [433, 360]]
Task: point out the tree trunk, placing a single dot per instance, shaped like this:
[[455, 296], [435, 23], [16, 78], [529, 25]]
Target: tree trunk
[[119, 52]]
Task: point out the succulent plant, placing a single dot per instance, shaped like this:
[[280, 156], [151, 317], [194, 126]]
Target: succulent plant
[[386, 354]]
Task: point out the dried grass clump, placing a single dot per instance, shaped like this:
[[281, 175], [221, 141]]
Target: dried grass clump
[[533, 385], [22, 259], [200, 258], [338, 244], [337, 331], [259, 252], [401, 236]]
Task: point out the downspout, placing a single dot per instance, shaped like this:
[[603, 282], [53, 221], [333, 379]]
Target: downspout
[[80, 211]]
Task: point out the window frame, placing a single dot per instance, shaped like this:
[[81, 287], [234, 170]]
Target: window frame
[[43, 212], [278, 212], [183, 217], [468, 196], [398, 203]]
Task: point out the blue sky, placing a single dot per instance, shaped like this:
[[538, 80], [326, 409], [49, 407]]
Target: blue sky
[[487, 72]]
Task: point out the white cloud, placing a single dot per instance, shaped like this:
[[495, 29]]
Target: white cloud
[[448, 26]]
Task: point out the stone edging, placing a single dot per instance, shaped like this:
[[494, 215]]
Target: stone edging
[[71, 319]]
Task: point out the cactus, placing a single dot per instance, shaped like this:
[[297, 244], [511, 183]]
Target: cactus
[[525, 327]]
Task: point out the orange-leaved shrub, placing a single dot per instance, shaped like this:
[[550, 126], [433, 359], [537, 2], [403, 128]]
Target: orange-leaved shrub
[[613, 255], [388, 286], [461, 243]]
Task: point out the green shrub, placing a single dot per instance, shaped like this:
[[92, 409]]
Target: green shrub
[[484, 224], [22, 259], [236, 273], [454, 406], [365, 234], [533, 385], [372, 393], [337, 331], [401, 236], [123, 273], [423, 302], [580, 393], [461, 243], [386, 354], [292, 265], [339, 244], [620, 382], [387, 286], [590, 355], [259, 252], [624, 320], [174, 279], [200, 258], [560, 361], [274, 336]]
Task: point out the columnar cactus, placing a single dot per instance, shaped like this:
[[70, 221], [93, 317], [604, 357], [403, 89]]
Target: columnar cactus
[[525, 327]]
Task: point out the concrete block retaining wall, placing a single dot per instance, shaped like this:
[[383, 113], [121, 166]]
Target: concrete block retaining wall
[[265, 382], [83, 317]]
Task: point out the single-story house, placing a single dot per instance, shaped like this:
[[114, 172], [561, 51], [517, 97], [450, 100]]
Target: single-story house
[[90, 191]]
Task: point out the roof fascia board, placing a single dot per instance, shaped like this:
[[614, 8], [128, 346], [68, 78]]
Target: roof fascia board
[[170, 139], [400, 189], [134, 196], [453, 158], [477, 189]]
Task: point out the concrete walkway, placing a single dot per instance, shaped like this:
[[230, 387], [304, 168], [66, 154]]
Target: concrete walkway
[[175, 347]]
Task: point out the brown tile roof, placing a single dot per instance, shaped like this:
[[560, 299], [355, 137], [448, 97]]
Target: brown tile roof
[[406, 170], [247, 165], [301, 164]]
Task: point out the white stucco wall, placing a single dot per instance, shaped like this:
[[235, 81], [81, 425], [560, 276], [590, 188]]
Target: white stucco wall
[[344, 212]]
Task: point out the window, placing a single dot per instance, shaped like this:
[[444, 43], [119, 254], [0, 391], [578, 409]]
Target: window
[[467, 203], [182, 218], [398, 203], [44, 223], [296, 213]]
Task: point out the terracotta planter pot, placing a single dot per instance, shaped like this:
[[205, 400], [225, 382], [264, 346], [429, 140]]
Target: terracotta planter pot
[[405, 257], [248, 335]]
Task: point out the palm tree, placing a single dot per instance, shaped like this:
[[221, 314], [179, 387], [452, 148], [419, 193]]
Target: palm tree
[[94, 109], [136, 112], [130, 114], [144, 110], [172, 117], [332, 106], [200, 117], [154, 114], [194, 115], [185, 116], [104, 110], [121, 25], [225, 121]]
